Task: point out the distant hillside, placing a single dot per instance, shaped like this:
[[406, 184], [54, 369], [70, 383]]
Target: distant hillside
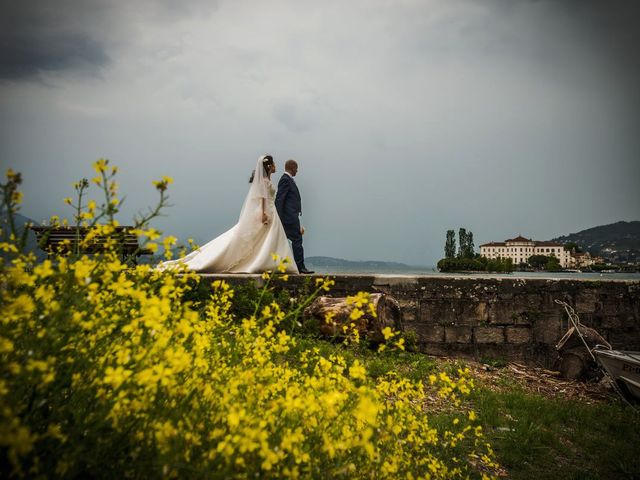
[[32, 243], [339, 262], [617, 242], [330, 262]]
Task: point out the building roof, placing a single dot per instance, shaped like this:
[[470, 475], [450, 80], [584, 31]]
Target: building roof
[[522, 239], [493, 244], [519, 238]]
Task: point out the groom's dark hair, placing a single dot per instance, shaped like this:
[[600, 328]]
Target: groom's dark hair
[[266, 163]]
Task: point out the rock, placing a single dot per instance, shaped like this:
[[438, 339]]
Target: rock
[[388, 314]]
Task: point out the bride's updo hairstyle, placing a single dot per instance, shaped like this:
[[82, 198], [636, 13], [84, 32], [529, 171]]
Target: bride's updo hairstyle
[[266, 164]]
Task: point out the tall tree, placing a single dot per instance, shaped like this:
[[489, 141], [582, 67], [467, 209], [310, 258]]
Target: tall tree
[[450, 244], [469, 247], [462, 241], [465, 247]]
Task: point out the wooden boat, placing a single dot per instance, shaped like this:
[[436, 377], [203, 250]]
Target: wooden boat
[[624, 368]]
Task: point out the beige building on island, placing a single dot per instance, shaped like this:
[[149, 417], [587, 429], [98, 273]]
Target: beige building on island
[[519, 250]]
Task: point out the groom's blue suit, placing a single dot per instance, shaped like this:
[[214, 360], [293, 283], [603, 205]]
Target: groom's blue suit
[[289, 207]]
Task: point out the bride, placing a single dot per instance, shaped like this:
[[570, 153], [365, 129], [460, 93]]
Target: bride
[[250, 245]]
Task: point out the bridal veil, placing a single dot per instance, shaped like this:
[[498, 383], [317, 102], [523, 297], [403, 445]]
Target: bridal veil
[[248, 246]]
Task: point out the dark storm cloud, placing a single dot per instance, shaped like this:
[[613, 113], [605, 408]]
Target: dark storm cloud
[[23, 56], [608, 29], [39, 36], [42, 36]]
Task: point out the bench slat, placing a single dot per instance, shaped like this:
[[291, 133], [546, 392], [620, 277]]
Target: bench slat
[[63, 239]]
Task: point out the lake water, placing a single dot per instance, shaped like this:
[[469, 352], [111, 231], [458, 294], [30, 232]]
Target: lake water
[[430, 272]]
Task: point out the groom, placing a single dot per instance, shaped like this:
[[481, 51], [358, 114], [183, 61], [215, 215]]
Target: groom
[[289, 207]]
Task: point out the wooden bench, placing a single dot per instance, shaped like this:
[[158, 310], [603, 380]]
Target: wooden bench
[[63, 240]]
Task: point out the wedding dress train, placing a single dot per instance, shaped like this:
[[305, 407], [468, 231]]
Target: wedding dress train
[[249, 246]]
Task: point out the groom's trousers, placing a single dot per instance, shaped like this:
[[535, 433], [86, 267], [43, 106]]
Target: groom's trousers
[[293, 234]]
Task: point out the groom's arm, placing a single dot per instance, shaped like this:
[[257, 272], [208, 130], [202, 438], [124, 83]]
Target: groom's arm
[[283, 189]]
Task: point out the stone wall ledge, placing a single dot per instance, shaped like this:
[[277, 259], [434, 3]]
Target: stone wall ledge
[[484, 316]]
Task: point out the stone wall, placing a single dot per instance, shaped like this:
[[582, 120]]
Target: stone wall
[[497, 318]]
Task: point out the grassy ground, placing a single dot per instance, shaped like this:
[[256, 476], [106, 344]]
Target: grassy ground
[[557, 430]]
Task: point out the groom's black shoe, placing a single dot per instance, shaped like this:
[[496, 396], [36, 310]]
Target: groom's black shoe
[[304, 270]]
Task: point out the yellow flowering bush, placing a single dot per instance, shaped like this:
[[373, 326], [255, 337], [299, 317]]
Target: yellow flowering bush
[[106, 370]]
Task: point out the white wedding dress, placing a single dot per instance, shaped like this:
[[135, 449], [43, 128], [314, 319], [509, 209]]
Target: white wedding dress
[[249, 246]]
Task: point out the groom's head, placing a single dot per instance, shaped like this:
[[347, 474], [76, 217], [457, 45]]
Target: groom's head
[[291, 167]]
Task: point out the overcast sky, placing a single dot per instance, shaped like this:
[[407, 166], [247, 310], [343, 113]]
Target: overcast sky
[[407, 118]]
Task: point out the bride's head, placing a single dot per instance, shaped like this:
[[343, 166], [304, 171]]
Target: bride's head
[[268, 165]]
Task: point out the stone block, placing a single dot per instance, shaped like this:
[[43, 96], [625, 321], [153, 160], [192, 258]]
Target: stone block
[[548, 330], [622, 340], [458, 334], [408, 315], [427, 312], [432, 333], [586, 301], [398, 282], [409, 310], [611, 321], [489, 334], [425, 333], [438, 312], [631, 323], [482, 311], [518, 335]]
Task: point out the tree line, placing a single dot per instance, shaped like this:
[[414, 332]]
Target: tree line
[[462, 256]]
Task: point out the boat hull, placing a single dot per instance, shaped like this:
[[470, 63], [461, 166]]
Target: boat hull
[[624, 367]]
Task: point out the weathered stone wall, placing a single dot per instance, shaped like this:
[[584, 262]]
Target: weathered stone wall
[[498, 318]]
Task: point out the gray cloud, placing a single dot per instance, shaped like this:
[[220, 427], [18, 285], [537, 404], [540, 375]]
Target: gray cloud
[[407, 117], [38, 37], [289, 115], [22, 56]]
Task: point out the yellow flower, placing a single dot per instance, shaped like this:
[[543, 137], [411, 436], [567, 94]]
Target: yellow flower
[[6, 345], [11, 175], [100, 165], [169, 241], [357, 370], [116, 376], [387, 333]]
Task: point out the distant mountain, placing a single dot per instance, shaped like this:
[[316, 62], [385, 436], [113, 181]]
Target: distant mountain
[[351, 264], [617, 242], [339, 262], [20, 222]]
